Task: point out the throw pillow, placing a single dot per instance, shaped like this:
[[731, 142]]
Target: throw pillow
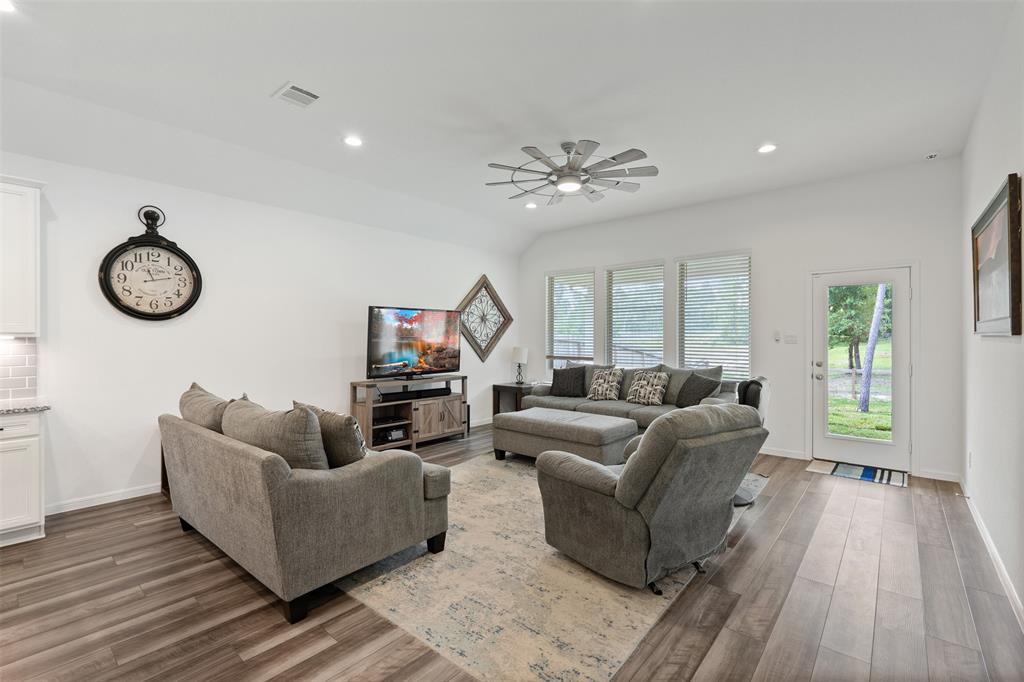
[[202, 408], [295, 434], [648, 387], [343, 439], [568, 383], [712, 373], [696, 388], [589, 368], [677, 376], [627, 379], [606, 384]]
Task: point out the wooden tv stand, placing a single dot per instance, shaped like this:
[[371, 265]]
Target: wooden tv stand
[[424, 419]]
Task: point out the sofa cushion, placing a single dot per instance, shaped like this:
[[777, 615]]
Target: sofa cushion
[[606, 384], [343, 439], [294, 435], [612, 408], [553, 402], [202, 408], [696, 388], [574, 427], [643, 416], [628, 376], [568, 382], [677, 376], [648, 387], [437, 481], [588, 373]]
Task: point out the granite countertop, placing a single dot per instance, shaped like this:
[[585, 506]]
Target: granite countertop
[[23, 410]]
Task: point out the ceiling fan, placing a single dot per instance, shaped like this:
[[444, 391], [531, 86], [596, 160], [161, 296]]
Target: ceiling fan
[[542, 176]]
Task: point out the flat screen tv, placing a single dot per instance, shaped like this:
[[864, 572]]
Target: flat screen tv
[[403, 342]]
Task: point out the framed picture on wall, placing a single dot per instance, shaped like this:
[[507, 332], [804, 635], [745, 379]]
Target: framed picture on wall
[[995, 242]]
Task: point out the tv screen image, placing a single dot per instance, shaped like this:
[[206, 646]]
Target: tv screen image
[[404, 341]]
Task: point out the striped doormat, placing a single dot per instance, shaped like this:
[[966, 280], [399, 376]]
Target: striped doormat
[[861, 473]]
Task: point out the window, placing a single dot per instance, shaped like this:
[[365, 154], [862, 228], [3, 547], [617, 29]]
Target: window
[[714, 314], [570, 317], [636, 316]]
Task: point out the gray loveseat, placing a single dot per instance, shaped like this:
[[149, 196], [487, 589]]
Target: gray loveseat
[[296, 530], [669, 505]]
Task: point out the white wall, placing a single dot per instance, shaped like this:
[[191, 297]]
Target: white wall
[[907, 214], [282, 316], [994, 367]]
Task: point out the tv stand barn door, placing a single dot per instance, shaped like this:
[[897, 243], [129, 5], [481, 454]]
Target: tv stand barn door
[[421, 419]]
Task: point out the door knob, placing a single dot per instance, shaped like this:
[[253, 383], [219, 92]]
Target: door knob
[[819, 377], [818, 363]]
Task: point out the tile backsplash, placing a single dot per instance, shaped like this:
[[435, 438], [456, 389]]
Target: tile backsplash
[[18, 372]]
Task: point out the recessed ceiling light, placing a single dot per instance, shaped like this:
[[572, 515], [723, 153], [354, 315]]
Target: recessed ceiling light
[[767, 148], [350, 140], [6, 6], [531, 205]]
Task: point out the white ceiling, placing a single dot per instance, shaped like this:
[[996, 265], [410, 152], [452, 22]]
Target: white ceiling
[[439, 89]]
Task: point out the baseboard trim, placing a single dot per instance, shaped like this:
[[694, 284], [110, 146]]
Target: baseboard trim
[[102, 498], [780, 452], [482, 422], [1004, 576], [937, 475]]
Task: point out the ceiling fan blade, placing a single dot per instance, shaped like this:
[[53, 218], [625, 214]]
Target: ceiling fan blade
[[615, 184], [592, 194], [555, 199], [501, 166], [627, 156], [515, 182], [638, 172], [542, 157], [582, 152], [525, 192]]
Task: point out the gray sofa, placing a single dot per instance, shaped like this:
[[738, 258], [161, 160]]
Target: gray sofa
[[643, 415], [669, 505], [296, 530]]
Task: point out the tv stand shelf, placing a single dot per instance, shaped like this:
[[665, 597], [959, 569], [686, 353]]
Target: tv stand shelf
[[415, 419]]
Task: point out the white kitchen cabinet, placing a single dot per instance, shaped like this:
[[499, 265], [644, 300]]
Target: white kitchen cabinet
[[21, 479], [19, 256]]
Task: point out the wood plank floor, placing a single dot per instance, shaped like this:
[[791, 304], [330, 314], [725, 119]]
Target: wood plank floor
[[823, 579]]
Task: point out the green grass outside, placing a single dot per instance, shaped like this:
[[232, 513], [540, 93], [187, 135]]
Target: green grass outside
[[838, 359], [845, 420]]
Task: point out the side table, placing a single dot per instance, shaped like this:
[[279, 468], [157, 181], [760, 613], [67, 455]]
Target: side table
[[517, 391]]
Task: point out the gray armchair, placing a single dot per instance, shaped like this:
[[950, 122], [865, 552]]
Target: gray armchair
[[669, 505]]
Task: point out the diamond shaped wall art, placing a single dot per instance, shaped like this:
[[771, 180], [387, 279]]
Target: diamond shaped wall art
[[485, 319]]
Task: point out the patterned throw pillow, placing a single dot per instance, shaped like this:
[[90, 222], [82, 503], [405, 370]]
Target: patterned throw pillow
[[606, 384], [648, 387]]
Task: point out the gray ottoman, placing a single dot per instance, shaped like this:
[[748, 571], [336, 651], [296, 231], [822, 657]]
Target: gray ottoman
[[594, 436]]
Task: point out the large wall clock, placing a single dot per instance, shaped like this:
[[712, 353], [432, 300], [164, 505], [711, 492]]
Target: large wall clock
[[149, 276], [485, 319]]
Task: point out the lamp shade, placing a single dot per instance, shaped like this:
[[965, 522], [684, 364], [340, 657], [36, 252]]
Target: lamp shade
[[519, 355]]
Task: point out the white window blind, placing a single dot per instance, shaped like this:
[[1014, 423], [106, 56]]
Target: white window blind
[[570, 316], [714, 314], [636, 313]]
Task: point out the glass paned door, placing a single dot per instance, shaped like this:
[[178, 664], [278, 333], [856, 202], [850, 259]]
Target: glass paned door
[[860, 372]]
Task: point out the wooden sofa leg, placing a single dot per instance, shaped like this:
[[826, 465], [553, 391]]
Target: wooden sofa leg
[[499, 454], [296, 609], [436, 543], [185, 525]]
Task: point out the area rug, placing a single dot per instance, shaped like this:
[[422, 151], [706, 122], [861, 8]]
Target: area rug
[[861, 473], [499, 601]]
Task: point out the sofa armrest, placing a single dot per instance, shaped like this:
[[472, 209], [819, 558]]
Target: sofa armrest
[[541, 389], [631, 446], [437, 481], [574, 469]]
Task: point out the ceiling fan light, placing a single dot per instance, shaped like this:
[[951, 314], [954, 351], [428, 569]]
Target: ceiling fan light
[[569, 183], [531, 206]]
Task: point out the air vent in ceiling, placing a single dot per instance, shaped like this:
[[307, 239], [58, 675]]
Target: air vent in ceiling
[[293, 94]]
